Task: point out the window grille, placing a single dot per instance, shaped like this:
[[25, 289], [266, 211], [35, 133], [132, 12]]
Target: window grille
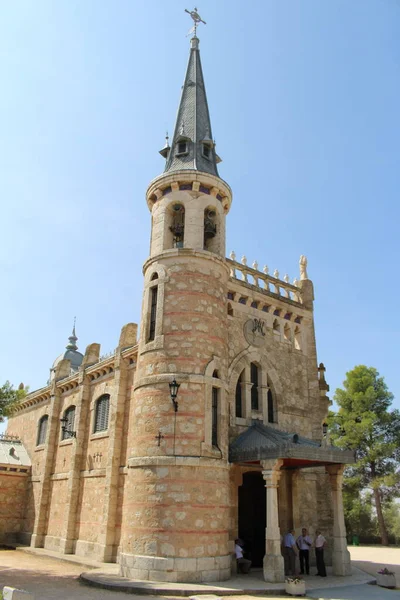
[[42, 430], [101, 413], [254, 387], [153, 313], [214, 408], [238, 397], [68, 425]]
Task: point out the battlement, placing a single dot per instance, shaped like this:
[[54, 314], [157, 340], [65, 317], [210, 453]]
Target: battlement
[[263, 282]]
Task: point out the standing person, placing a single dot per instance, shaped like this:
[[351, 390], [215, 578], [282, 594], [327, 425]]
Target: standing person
[[289, 553], [304, 544], [320, 543], [243, 564]]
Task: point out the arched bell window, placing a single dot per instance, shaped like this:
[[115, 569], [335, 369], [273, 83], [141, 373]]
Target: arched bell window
[[210, 227], [177, 226]]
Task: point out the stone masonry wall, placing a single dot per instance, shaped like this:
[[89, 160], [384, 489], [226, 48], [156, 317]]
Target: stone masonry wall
[[13, 495]]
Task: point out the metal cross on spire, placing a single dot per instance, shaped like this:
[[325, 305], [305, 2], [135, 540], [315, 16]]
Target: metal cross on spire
[[196, 18]]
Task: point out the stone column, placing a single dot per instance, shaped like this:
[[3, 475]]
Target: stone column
[[68, 537], [340, 555], [246, 392], [116, 423], [273, 560]]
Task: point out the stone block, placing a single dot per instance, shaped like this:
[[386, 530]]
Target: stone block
[[185, 564], [205, 564], [143, 562], [10, 593], [212, 575], [205, 597], [223, 562], [163, 564], [189, 576], [171, 576]]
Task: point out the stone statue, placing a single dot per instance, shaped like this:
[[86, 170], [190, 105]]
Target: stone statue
[[276, 273], [232, 255], [244, 260], [255, 265], [266, 269], [303, 267]]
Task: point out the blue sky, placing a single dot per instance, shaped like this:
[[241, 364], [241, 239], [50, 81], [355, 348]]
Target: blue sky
[[304, 102]]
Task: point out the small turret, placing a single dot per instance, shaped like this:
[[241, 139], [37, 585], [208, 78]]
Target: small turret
[[71, 353]]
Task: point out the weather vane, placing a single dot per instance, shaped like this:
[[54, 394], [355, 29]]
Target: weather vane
[[196, 18]]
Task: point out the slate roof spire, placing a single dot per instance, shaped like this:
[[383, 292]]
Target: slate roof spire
[[72, 339], [192, 145]]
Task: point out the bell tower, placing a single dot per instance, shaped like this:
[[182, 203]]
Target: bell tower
[[189, 201], [177, 528]]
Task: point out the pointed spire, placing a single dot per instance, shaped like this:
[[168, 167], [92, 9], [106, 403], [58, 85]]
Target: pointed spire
[[192, 145], [72, 339]]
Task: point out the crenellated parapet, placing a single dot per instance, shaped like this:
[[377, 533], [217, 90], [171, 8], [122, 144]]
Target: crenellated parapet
[[263, 281]]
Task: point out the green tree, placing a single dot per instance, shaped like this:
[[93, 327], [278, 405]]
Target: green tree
[[9, 398], [363, 423], [392, 519]]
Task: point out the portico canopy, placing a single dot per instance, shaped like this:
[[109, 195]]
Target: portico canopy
[[260, 442]]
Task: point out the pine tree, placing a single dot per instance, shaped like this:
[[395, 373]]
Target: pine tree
[[9, 398], [363, 423]]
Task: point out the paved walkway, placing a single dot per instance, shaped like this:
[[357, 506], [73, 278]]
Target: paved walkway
[[49, 578]]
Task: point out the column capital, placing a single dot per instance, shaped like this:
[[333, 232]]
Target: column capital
[[335, 473], [271, 471]]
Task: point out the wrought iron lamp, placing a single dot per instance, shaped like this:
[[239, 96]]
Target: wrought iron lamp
[[173, 390], [64, 428], [324, 429]]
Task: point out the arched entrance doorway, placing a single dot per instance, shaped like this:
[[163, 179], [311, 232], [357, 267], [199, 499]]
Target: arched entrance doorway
[[252, 516]]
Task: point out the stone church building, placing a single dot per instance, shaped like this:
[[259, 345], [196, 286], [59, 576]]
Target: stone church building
[[206, 427]]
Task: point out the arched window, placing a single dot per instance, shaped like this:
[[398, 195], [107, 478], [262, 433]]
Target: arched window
[[68, 423], [210, 228], [287, 334], [254, 387], [178, 225], [230, 309], [42, 430], [276, 327], [239, 396], [214, 416], [153, 312], [297, 339], [101, 413]]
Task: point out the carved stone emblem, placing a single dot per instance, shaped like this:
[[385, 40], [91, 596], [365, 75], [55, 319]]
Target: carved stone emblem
[[254, 332]]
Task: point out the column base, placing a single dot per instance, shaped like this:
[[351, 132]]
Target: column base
[[37, 540], [341, 562], [274, 569], [67, 546]]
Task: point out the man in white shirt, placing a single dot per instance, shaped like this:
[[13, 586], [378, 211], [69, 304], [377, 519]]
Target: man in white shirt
[[243, 564], [289, 553], [304, 543], [320, 543]]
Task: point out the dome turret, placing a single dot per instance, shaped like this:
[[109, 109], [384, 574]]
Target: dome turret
[[71, 353]]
